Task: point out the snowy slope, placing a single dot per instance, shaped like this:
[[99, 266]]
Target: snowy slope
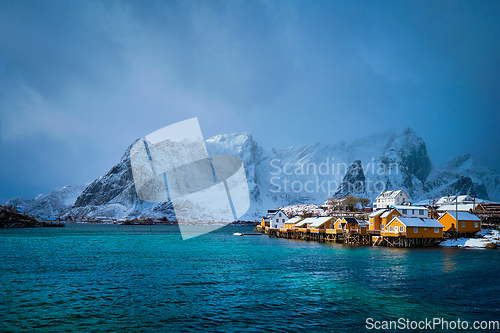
[[464, 175], [57, 203], [113, 195]]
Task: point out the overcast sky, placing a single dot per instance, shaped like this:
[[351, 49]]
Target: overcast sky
[[80, 80]]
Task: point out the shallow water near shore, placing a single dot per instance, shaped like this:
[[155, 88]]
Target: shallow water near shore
[[86, 277]]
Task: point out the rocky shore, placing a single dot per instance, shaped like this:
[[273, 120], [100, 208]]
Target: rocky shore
[[12, 218]]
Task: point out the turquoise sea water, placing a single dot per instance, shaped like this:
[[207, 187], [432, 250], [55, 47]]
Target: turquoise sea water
[[97, 278]]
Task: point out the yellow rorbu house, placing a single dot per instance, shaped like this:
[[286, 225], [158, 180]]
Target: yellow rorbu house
[[303, 225], [413, 227], [387, 217], [466, 222], [265, 222], [320, 224], [289, 224], [350, 225], [350, 230], [374, 220], [380, 218]]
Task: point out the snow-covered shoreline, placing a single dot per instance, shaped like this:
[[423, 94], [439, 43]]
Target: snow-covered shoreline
[[489, 236]]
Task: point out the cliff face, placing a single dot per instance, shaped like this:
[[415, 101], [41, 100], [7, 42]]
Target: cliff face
[[412, 152], [410, 164], [353, 182], [117, 185], [295, 175]]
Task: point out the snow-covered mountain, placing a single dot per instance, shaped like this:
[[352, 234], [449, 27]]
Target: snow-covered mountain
[[114, 195], [56, 203], [306, 174], [464, 175]]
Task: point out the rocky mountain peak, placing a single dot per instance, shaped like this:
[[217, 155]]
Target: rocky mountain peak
[[410, 151], [353, 182]]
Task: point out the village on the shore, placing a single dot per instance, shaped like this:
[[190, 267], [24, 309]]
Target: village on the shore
[[393, 221]]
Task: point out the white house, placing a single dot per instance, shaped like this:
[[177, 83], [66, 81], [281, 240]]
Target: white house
[[391, 198], [460, 199], [460, 207], [278, 219], [412, 211]]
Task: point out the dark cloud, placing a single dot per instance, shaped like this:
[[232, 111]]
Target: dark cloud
[[50, 45], [79, 81]]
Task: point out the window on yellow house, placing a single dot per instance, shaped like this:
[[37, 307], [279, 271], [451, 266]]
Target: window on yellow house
[[401, 229], [463, 224], [415, 230], [476, 224], [390, 228], [436, 230]]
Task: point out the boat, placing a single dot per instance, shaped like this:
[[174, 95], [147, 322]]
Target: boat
[[238, 234]]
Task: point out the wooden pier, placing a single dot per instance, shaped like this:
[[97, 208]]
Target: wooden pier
[[325, 235], [406, 242], [351, 237]]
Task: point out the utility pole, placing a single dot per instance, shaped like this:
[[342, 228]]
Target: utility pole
[[456, 215]]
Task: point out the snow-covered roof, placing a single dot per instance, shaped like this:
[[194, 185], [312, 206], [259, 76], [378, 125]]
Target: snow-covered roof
[[387, 213], [376, 213], [463, 207], [390, 194], [278, 211], [306, 221], [464, 216], [319, 221], [454, 198], [444, 200], [419, 222], [462, 198], [410, 207], [293, 220]]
